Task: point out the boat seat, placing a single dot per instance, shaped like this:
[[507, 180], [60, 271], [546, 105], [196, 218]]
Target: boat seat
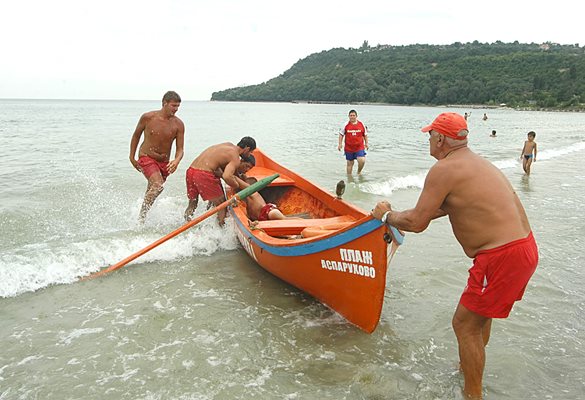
[[261, 172], [283, 227]]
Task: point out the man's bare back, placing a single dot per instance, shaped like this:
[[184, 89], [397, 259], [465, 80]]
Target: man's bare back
[[482, 206], [217, 157], [224, 157]]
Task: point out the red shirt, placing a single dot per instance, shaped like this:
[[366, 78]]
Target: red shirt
[[354, 136]]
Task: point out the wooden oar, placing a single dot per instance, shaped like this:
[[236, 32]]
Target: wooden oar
[[242, 194]]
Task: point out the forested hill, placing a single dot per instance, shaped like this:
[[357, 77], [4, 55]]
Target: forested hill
[[545, 75]]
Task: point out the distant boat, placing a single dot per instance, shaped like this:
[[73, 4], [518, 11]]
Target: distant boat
[[338, 255]]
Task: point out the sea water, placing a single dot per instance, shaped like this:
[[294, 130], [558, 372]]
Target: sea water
[[196, 318]]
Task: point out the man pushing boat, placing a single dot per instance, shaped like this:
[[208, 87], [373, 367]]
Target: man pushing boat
[[201, 176], [491, 225]]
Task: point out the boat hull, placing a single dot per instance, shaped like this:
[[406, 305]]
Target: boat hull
[[344, 266]]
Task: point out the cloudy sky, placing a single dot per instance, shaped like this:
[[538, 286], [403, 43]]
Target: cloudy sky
[[127, 49]]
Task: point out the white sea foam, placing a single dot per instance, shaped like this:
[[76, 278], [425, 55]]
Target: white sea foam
[[261, 379], [66, 339], [28, 359], [386, 188], [555, 153], [548, 154], [35, 266], [508, 163]]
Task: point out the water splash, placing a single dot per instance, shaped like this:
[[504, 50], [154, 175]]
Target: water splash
[[35, 266]]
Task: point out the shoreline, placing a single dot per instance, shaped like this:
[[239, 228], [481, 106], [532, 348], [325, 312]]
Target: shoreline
[[366, 103]]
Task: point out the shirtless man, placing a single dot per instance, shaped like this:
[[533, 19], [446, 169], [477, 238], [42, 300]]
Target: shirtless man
[[161, 128], [202, 180], [256, 206], [488, 221]]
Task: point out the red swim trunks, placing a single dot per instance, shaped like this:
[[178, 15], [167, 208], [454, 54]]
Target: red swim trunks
[[266, 210], [203, 183], [150, 166], [499, 277]]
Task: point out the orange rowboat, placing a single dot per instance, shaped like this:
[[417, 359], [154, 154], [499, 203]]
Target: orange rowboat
[[337, 254]]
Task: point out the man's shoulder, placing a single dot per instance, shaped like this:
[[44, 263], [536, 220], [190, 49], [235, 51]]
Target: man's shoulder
[[224, 151], [457, 165], [178, 122], [226, 146], [150, 114]]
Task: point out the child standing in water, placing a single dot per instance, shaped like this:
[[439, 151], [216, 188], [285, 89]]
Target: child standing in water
[[528, 152]]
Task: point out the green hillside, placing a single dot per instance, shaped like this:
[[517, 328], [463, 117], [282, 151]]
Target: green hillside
[[521, 75]]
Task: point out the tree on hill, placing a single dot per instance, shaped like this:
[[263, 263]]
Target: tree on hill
[[536, 75]]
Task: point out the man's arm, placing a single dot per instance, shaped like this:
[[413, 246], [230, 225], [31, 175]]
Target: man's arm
[[229, 173], [179, 145], [428, 207], [242, 184], [136, 139], [440, 213], [340, 141]]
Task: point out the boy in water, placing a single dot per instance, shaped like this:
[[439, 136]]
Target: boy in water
[[528, 154]]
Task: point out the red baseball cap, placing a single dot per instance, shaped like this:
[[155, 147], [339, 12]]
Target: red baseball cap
[[449, 124]]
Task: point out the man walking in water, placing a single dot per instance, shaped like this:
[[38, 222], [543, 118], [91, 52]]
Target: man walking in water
[[355, 134], [491, 225], [161, 128]]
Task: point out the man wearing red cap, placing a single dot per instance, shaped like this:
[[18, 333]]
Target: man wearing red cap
[[489, 222]]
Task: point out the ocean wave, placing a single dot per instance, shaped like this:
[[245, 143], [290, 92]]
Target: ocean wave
[[387, 187], [507, 163], [36, 266], [548, 154], [555, 153]]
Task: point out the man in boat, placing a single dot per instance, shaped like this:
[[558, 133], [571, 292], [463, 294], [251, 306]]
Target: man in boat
[[161, 128], [201, 177], [491, 225], [256, 206]]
